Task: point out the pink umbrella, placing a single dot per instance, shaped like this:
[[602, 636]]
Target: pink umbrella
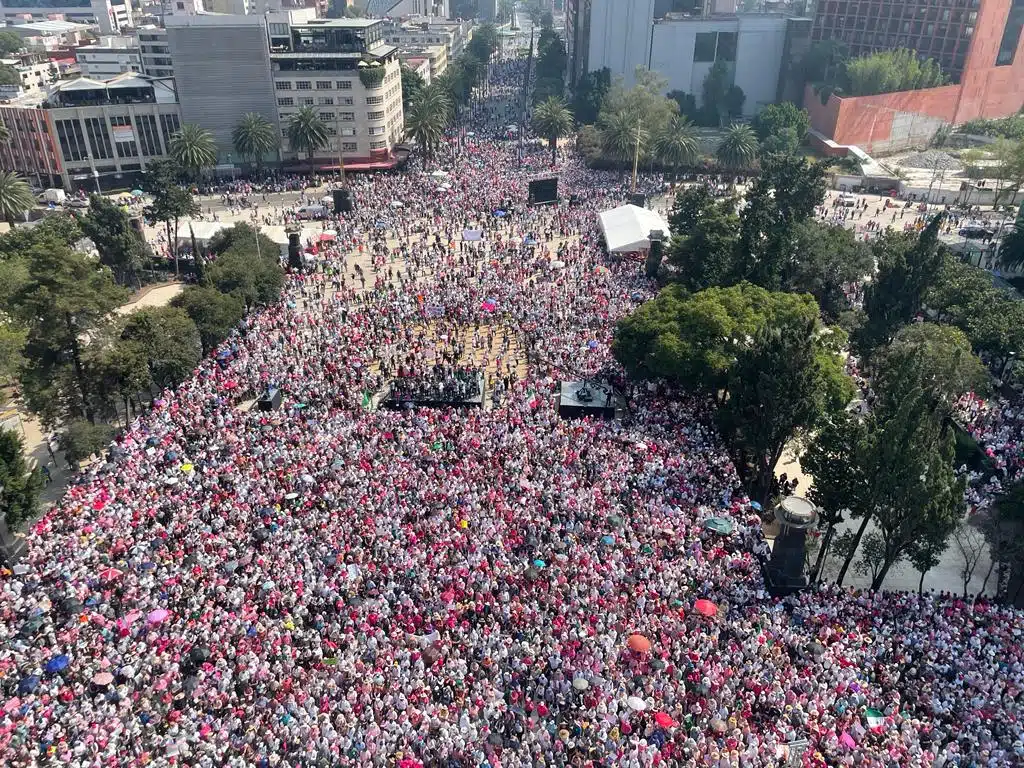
[[109, 574], [12, 705], [155, 617], [103, 678]]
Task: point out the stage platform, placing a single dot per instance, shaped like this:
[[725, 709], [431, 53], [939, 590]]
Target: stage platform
[[393, 401], [603, 401]]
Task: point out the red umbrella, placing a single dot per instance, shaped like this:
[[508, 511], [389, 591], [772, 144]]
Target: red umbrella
[[109, 574], [639, 643], [705, 608], [664, 720]]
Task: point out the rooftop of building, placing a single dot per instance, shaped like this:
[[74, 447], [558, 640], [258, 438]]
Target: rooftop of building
[[49, 27], [111, 43], [339, 23]]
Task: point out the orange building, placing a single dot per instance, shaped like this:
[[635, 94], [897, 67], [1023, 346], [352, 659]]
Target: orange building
[[990, 86]]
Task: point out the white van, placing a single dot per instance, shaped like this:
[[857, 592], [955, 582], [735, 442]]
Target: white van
[[306, 212]]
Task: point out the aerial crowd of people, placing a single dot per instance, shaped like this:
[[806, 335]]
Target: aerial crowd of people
[[327, 584]]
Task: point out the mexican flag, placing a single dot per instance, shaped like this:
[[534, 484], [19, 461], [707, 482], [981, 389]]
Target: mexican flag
[[875, 719], [366, 400]]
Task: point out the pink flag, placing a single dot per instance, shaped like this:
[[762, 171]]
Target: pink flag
[[847, 740]]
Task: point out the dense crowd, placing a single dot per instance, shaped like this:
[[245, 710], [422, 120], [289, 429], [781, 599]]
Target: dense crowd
[[332, 585]]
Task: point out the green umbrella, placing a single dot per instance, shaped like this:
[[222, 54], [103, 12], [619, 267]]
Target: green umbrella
[[718, 525]]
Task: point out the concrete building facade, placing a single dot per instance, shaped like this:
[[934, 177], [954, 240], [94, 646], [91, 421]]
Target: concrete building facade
[[112, 16], [32, 149], [345, 70], [680, 47], [109, 57], [222, 69], [154, 51]]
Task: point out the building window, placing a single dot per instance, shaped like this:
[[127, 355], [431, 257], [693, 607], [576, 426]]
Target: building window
[[332, 131], [306, 101], [726, 50], [279, 30], [72, 143], [323, 85], [325, 116], [168, 127], [349, 146], [286, 101], [303, 85], [283, 85], [1011, 34], [149, 141], [374, 115], [327, 101], [345, 101], [704, 47], [372, 101], [377, 130], [378, 144], [347, 116], [99, 140], [345, 85]]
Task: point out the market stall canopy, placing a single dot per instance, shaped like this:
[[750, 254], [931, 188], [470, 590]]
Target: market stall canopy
[[627, 227], [204, 230]]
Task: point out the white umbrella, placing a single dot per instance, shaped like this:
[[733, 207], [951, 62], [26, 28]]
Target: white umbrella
[[397, 204], [580, 684], [558, 265], [440, 174], [636, 703], [445, 187]]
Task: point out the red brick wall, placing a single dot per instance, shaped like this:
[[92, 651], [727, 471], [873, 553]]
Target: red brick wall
[[984, 91]]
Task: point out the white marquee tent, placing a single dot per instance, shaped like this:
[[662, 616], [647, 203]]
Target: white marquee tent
[[626, 228]]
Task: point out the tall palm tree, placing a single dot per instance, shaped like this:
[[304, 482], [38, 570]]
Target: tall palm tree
[[676, 144], [194, 148], [428, 116], [307, 132], [553, 120], [254, 137], [619, 134], [15, 196], [738, 149], [1011, 249]]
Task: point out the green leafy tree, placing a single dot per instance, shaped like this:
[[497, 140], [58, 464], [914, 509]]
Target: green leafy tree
[[243, 236], [590, 93], [913, 494], [193, 148], [215, 314], [82, 439], [9, 75], [704, 252], [890, 71], [934, 359], [412, 84], [694, 339], [1011, 249], [118, 373], [784, 195], [66, 297], [676, 145], [715, 93], [624, 109], [10, 42], [908, 266], [171, 202], [15, 197], [119, 246], [427, 119], [19, 487], [839, 442], [484, 42], [254, 138], [826, 258], [773, 389], [781, 127], [551, 57], [169, 340], [257, 280], [738, 150], [553, 120], [307, 132]]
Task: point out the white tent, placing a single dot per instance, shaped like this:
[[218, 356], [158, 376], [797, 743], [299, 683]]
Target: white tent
[[204, 231], [626, 228]]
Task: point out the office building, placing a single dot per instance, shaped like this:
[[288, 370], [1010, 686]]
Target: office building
[[682, 46], [938, 30], [222, 70], [89, 132], [351, 76], [112, 16], [154, 52], [108, 57], [422, 32], [395, 8]]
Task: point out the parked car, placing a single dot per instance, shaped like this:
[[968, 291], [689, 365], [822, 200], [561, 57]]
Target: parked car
[[975, 232], [306, 212]]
